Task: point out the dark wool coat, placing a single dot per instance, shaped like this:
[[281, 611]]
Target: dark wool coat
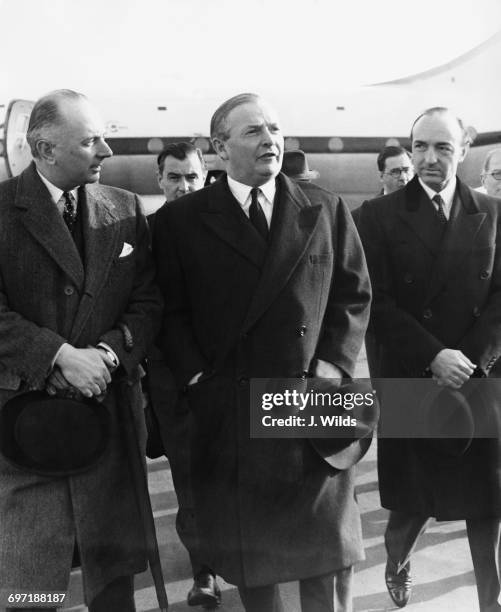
[[435, 291], [48, 297], [268, 510]]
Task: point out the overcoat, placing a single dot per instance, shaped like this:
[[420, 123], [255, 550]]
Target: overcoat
[[268, 510], [48, 296], [435, 290]]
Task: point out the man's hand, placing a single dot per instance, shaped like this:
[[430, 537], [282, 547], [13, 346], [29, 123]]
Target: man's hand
[[84, 369], [325, 369], [451, 368]]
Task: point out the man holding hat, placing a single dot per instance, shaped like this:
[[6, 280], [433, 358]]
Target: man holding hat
[[78, 309], [433, 250], [264, 279]]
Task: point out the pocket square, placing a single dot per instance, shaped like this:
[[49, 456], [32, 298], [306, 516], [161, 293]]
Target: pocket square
[[126, 249]]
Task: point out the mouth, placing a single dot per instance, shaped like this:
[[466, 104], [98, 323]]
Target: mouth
[[269, 156], [96, 168]]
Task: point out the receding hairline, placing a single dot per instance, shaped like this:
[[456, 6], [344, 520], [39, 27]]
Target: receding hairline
[[443, 111], [218, 128]]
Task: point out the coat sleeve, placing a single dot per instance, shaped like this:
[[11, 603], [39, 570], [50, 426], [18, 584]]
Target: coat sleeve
[[407, 340], [347, 312], [482, 342], [176, 339], [140, 320]]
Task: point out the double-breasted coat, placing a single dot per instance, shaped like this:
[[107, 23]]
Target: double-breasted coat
[[268, 510], [435, 290], [49, 296]]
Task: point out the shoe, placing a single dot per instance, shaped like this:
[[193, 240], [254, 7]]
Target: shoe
[[204, 592], [399, 584]]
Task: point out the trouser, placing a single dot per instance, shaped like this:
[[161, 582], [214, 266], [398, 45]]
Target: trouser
[[484, 538], [117, 595], [329, 593]]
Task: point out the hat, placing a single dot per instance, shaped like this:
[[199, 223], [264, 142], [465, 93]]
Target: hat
[[449, 420], [295, 166], [53, 436], [351, 443]]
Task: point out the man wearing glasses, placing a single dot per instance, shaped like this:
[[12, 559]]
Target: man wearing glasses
[[491, 173], [395, 168]]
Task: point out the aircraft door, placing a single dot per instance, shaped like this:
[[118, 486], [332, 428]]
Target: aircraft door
[[15, 149]]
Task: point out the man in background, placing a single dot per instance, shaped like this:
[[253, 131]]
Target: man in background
[[181, 170], [491, 173]]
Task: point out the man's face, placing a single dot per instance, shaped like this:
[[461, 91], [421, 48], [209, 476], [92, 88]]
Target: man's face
[[397, 173], [79, 145], [181, 176], [437, 149], [491, 184], [254, 149]]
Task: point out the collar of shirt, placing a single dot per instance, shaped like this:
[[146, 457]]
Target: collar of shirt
[[447, 195], [56, 193], [265, 198]]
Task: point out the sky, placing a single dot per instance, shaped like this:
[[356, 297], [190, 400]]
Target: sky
[[138, 54]]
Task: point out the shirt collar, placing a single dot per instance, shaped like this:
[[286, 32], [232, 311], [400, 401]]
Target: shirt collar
[[242, 191], [55, 192], [447, 193]]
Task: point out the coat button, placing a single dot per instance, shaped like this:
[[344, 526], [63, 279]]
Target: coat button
[[302, 330], [68, 290], [408, 278], [476, 311], [484, 274], [427, 314]]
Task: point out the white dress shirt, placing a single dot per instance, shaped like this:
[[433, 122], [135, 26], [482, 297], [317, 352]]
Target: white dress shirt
[[57, 194], [265, 198], [447, 195]]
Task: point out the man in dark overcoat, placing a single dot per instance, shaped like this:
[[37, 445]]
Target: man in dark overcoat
[[78, 308], [263, 278], [434, 260]]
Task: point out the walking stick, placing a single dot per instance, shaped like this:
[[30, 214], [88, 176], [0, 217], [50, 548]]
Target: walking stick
[[142, 494]]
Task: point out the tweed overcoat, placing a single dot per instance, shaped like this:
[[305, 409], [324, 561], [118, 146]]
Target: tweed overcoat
[[49, 296], [431, 292], [268, 510]]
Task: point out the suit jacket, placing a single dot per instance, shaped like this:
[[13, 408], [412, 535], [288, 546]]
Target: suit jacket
[[434, 291], [237, 308], [49, 296]]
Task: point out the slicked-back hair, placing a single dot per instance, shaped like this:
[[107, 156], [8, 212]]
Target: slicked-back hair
[[218, 127], [179, 150], [46, 114], [386, 152], [488, 157], [440, 110]]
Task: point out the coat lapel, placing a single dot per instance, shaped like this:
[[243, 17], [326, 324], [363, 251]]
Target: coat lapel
[[101, 236], [225, 217], [416, 211], [41, 218], [463, 226], [294, 221]]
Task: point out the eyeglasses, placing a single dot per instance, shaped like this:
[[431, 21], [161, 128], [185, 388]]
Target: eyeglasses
[[396, 172], [495, 175]]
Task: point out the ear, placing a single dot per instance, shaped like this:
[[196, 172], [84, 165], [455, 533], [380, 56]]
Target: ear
[[464, 150], [381, 174], [45, 151], [220, 148], [159, 179]]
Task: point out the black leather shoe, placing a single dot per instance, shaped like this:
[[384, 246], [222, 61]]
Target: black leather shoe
[[399, 584], [204, 592]]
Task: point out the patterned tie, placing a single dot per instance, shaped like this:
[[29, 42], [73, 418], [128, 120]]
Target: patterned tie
[[440, 203], [69, 212], [256, 214]]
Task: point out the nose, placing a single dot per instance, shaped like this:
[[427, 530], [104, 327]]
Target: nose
[[105, 149], [183, 185], [430, 156]]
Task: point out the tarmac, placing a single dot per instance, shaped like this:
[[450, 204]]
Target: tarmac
[[441, 566]]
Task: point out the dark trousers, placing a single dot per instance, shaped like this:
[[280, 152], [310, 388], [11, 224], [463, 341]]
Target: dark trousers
[[117, 595], [329, 593], [484, 538]]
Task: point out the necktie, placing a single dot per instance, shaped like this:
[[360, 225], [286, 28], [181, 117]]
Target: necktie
[[256, 214], [69, 212], [440, 203]]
